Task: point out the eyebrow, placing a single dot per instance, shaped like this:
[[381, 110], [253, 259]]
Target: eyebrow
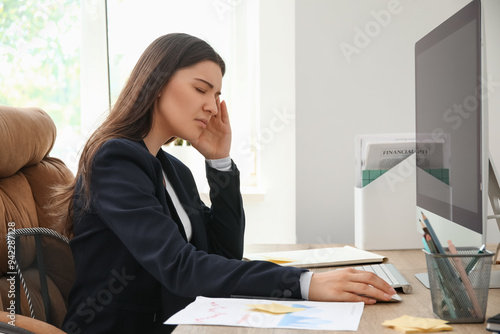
[[208, 83]]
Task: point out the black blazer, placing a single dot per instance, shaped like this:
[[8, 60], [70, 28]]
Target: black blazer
[[134, 267]]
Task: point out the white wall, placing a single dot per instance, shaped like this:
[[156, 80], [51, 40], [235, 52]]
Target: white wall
[[371, 91]]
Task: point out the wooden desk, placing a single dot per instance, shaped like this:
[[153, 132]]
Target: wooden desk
[[418, 303]]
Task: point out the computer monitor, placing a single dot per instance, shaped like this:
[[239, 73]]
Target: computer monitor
[[452, 129]]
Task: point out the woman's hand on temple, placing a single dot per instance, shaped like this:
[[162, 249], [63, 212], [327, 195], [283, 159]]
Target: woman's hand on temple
[[215, 141], [349, 285]]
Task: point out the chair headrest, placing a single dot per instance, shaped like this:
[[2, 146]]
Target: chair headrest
[[26, 135]]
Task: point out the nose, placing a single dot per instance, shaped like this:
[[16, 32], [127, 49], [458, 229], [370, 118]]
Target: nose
[[212, 106]]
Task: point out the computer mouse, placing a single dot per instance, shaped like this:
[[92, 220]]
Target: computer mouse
[[394, 298]]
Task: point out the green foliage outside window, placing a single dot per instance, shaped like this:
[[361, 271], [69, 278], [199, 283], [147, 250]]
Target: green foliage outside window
[[40, 44]]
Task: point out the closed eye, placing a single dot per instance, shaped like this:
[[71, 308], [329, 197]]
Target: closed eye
[[200, 90]]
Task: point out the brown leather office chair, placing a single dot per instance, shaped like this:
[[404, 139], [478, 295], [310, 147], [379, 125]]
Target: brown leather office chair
[[33, 249]]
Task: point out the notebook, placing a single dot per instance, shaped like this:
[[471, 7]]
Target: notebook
[[318, 257]]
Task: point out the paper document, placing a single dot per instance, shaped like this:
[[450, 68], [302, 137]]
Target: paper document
[[377, 153], [381, 152], [318, 257], [243, 313]]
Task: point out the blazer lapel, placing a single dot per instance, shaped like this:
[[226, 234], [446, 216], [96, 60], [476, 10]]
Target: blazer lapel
[[198, 237]]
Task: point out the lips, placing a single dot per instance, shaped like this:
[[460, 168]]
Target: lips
[[203, 121]]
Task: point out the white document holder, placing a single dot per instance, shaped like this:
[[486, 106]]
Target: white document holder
[[385, 210]]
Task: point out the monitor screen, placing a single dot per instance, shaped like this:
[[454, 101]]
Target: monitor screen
[[449, 120]]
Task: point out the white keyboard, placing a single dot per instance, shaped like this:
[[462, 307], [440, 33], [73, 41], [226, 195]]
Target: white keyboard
[[389, 273]]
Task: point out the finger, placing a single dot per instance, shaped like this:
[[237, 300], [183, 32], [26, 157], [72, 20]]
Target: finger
[[223, 112], [368, 284], [217, 102], [382, 285], [374, 281], [361, 292], [365, 299], [374, 293], [353, 297]]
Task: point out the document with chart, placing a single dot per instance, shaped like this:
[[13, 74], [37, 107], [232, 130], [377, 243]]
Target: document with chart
[[261, 313]]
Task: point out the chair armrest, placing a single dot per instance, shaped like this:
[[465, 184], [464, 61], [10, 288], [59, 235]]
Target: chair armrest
[[32, 325]]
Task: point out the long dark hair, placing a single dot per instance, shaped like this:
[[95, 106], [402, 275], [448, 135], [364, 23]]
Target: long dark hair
[[132, 114]]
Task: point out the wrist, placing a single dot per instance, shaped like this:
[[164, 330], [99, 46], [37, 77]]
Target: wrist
[[223, 164]]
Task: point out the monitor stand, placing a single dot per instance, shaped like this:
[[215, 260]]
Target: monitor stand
[[494, 195]]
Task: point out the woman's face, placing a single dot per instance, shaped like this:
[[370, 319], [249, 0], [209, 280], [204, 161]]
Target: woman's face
[[188, 101]]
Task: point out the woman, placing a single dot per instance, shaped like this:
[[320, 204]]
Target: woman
[[144, 243]]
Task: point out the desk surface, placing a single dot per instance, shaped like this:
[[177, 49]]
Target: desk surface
[[418, 303]]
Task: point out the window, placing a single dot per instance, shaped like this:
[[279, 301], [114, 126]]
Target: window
[[72, 58], [40, 45], [229, 26]]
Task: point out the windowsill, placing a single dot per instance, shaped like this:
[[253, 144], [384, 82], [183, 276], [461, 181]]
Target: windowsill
[[254, 193], [249, 193]]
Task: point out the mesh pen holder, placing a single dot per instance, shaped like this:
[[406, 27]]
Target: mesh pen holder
[[459, 284]]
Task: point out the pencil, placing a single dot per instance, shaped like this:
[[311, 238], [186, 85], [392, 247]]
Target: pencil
[[433, 235], [428, 238]]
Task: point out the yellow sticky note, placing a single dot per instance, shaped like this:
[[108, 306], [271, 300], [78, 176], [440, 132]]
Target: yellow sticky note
[[420, 330], [275, 308], [278, 260], [408, 324]]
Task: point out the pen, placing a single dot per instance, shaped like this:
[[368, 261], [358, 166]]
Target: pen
[[269, 298], [473, 263]]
